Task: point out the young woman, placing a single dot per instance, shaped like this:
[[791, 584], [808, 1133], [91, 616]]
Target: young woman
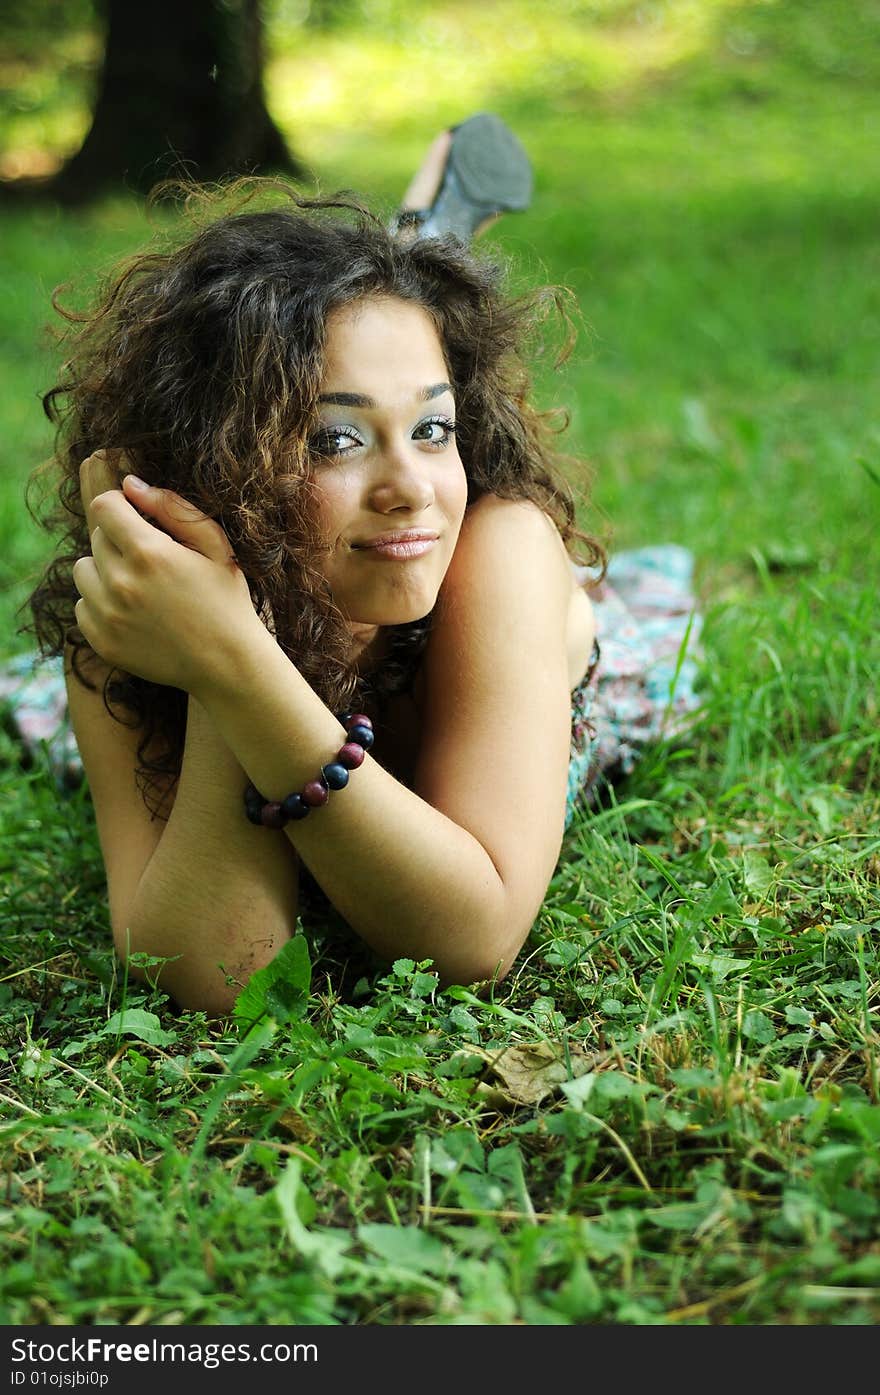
[[315, 599]]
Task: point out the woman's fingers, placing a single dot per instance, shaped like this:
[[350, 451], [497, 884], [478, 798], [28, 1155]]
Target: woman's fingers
[[126, 520], [95, 612], [104, 551], [84, 615], [95, 477], [183, 520], [175, 515], [86, 578], [114, 521]]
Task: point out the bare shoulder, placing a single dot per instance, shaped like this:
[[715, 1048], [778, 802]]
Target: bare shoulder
[[510, 533], [511, 584], [510, 548]]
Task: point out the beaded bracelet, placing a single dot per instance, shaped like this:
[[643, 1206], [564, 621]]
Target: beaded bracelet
[[333, 776]]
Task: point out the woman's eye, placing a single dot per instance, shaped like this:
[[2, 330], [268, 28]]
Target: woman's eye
[[436, 431], [336, 440]]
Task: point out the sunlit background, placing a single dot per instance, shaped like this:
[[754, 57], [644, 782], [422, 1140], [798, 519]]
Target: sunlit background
[[705, 182]]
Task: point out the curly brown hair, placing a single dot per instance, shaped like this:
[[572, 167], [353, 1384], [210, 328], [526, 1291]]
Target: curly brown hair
[[203, 363]]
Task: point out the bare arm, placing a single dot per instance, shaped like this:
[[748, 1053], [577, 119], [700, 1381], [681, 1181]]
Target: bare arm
[[164, 872], [214, 891], [203, 889]]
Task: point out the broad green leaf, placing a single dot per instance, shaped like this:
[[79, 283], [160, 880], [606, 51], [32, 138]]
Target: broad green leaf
[[408, 1247], [757, 873], [698, 430], [798, 1016], [135, 1022], [281, 990], [718, 900], [758, 1027], [326, 1248], [827, 813], [579, 1297], [614, 1085], [577, 1092], [695, 1078], [864, 1270], [684, 1215], [718, 966]]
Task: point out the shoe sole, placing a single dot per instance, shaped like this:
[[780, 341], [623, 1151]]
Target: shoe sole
[[487, 172]]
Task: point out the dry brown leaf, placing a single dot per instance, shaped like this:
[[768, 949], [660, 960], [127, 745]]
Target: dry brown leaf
[[529, 1072], [293, 1123]]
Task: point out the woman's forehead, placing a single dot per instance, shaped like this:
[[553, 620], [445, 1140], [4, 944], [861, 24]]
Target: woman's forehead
[[381, 343]]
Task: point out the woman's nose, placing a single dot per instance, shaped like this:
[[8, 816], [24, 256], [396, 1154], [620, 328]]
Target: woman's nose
[[401, 481]]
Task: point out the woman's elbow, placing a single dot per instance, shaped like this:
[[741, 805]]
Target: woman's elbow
[[200, 972], [487, 961]]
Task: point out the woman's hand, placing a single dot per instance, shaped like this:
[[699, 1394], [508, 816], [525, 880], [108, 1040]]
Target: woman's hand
[[164, 605]]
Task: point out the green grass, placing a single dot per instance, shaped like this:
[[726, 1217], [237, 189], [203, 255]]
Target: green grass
[[685, 1127]]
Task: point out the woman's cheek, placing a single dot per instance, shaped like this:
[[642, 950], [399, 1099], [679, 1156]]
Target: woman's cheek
[[331, 510], [459, 502]]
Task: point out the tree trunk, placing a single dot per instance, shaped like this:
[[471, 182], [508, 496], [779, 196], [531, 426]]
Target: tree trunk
[[180, 93]]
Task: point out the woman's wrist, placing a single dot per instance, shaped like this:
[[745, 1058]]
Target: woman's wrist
[[271, 718], [226, 671]]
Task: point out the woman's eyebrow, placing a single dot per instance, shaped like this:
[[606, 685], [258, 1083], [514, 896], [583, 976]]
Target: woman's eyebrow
[[360, 399]]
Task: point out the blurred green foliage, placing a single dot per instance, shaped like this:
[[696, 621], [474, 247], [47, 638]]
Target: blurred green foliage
[[50, 53], [706, 184], [403, 58]]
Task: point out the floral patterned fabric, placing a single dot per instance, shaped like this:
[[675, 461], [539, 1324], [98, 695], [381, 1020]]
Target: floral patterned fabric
[[33, 700], [640, 685], [639, 688]]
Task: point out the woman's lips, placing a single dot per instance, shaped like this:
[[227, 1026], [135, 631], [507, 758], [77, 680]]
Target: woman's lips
[[398, 547]]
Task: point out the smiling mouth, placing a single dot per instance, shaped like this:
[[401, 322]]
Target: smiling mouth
[[400, 550], [399, 546]]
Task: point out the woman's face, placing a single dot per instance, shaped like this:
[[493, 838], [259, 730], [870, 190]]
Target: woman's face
[[391, 486]]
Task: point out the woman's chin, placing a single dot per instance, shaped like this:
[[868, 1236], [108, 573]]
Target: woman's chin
[[407, 600], [402, 610]]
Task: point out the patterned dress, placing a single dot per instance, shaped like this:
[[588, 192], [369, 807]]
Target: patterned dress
[[640, 687]]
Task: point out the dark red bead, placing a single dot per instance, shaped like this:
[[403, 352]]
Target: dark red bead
[[272, 815], [315, 794], [351, 755], [357, 719]]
